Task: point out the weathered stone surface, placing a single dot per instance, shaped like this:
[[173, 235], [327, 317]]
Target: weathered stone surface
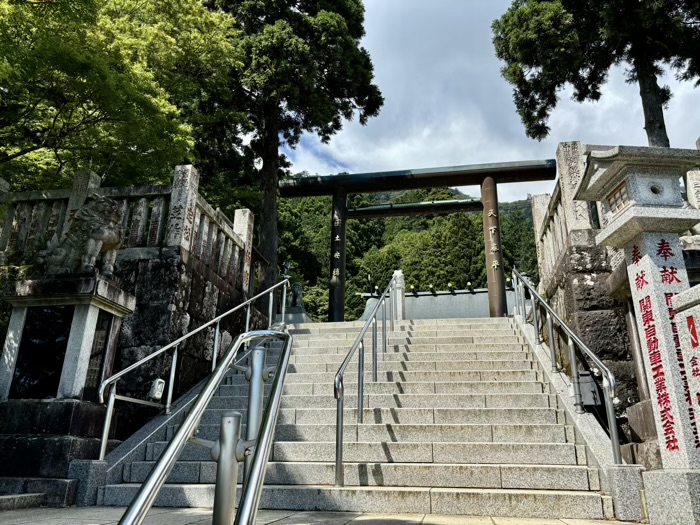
[[641, 421], [68, 417], [588, 259], [604, 332], [588, 291]]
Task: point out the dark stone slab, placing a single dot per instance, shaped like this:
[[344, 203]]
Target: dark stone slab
[[641, 421], [605, 333], [56, 492], [56, 416], [32, 455]]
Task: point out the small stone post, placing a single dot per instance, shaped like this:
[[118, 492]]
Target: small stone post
[[183, 205], [243, 222], [400, 313], [8, 360], [84, 182], [75, 364], [640, 195]]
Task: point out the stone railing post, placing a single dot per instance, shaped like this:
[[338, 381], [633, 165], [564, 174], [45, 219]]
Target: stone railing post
[[183, 203], [243, 222], [400, 313]]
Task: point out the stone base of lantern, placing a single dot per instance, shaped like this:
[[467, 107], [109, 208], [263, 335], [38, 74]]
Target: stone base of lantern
[[673, 497]]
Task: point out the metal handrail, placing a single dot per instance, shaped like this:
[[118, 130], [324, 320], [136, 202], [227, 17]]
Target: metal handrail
[[338, 386], [147, 494], [609, 382], [112, 380]]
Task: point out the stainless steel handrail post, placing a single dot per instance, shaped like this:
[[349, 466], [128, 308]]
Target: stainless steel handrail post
[[171, 384], [374, 348], [339, 474], [609, 383], [552, 344], [339, 390], [361, 383], [227, 469], [256, 392], [522, 300], [612, 420], [269, 309], [575, 380], [384, 331], [215, 353], [247, 324], [284, 302], [137, 510], [516, 290], [391, 306], [250, 499], [536, 321], [108, 421]]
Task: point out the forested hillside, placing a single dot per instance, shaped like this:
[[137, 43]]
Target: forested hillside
[[431, 250]]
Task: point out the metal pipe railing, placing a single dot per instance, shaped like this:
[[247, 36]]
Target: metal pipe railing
[[111, 382], [338, 385], [226, 450], [609, 383]]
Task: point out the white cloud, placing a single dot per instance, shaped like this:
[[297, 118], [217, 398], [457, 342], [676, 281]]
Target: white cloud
[[446, 103]]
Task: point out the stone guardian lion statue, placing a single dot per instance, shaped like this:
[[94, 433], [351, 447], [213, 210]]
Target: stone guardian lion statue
[[96, 229]]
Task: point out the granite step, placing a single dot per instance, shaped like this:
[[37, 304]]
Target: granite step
[[419, 500], [425, 387], [416, 366], [410, 332], [401, 401], [505, 355], [20, 501], [410, 348], [419, 376], [541, 477], [409, 433], [461, 339]]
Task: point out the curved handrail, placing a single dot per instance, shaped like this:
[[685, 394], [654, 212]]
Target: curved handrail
[[609, 382], [121, 373], [140, 505], [112, 380], [250, 499], [338, 387]]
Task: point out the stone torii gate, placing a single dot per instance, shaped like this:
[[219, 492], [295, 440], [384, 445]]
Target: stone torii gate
[[487, 176]]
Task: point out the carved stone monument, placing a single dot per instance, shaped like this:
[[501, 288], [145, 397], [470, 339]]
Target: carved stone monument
[[640, 196]]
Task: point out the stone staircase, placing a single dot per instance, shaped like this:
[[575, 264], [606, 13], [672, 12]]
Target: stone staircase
[[460, 422]]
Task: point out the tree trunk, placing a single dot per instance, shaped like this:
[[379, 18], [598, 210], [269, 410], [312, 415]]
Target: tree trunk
[[269, 238], [653, 101]]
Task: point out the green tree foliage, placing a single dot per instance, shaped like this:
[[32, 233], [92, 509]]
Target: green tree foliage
[[118, 86], [429, 250], [304, 71], [547, 44]]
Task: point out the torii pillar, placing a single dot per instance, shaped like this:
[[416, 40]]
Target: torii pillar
[[495, 279], [336, 293]]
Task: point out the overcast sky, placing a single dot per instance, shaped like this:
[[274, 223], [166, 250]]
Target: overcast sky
[[446, 103]]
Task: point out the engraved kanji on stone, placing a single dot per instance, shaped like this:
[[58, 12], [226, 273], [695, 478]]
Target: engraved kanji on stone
[[664, 250], [337, 238], [492, 213], [336, 255], [640, 280], [336, 272], [493, 230], [669, 275], [636, 254], [336, 222], [494, 249], [495, 265]]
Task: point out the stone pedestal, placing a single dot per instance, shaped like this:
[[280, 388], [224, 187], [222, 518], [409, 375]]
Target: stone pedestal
[[639, 193], [400, 313], [88, 295]]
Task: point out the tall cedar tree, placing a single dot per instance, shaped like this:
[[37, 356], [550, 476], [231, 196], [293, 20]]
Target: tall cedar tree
[[304, 71], [547, 44]]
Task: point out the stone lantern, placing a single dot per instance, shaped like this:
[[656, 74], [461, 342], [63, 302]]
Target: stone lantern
[[640, 194]]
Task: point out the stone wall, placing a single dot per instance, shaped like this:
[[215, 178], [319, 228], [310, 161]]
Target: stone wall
[[574, 271], [184, 261]]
